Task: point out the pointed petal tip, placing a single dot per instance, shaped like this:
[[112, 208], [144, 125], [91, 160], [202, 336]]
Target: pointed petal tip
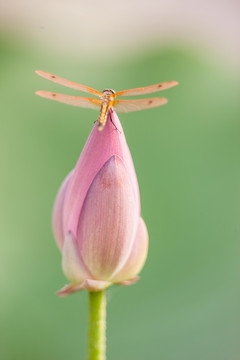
[[68, 290]]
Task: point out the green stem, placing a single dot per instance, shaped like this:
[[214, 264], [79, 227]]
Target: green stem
[[97, 326]]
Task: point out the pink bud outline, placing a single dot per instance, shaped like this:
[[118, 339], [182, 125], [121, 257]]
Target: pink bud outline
[[96, 216]]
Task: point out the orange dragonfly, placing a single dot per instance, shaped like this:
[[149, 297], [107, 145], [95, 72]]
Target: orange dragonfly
[[107, 99]]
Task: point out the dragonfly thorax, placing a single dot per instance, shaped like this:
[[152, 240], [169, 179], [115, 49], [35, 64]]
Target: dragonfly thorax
[[108, 95]]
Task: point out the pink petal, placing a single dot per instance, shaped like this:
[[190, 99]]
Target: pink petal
[[137, 257], [58, 210], [108, 221], [90, 285], [69, 289], [98, 149], [72, 264], [95, 285]]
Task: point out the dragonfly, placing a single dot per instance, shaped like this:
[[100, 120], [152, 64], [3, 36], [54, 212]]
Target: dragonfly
[[108, 98]]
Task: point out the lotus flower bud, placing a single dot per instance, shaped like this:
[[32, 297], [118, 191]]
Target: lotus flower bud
[[96, 216]]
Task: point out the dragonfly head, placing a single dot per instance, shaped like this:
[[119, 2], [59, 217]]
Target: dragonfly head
[[111, 91]]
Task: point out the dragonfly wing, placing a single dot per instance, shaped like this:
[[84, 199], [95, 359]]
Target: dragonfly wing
[[136, 105], [148, 89], [71, 100], [67, 83]]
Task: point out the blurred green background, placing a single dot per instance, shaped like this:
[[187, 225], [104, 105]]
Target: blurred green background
[[186, 155]]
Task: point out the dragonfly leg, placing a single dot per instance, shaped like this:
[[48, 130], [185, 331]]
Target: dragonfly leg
[[110, 114]]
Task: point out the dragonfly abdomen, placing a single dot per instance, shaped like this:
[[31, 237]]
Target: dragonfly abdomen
[[106, 98]]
